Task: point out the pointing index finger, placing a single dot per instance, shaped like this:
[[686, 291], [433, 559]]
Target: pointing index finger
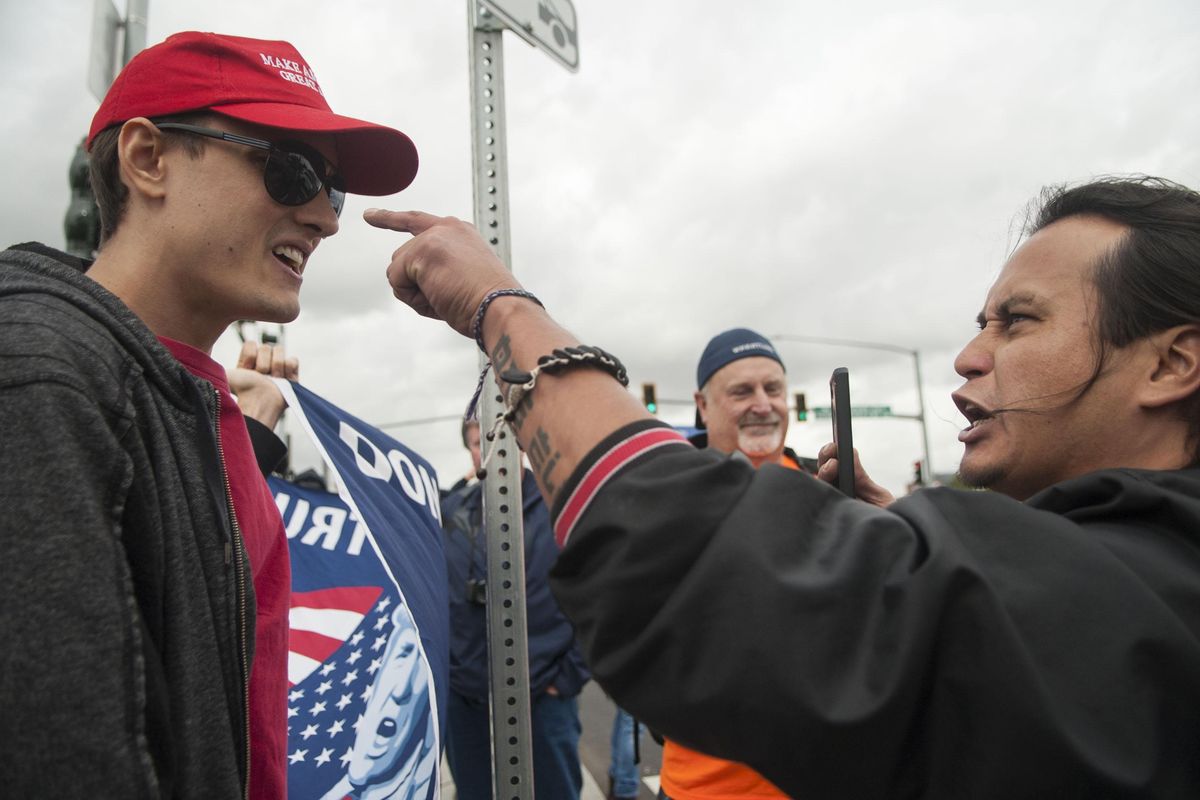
[[413, 222]]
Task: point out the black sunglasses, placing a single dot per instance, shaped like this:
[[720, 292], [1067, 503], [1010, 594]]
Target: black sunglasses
[[294, 174]]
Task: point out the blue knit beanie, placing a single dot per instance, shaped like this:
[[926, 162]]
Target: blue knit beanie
[[730, 346]]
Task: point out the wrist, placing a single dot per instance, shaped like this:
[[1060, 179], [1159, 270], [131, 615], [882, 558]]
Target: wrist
[[513, 319], [262, 407]]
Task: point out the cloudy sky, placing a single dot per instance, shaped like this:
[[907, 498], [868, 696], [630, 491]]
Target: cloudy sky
[[850, 171]]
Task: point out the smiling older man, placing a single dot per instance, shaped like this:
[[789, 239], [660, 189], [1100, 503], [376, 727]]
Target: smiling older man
[[146, 580], [741, 404], [741, 398]]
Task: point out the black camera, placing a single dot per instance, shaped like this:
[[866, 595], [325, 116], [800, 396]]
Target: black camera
[[477, 592]]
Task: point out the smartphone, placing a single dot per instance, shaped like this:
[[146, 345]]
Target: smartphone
[[843, 438]]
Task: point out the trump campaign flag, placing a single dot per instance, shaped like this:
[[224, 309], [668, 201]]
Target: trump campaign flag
[[369, 643]]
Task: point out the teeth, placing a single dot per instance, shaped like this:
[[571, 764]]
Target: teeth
[[290, 254]]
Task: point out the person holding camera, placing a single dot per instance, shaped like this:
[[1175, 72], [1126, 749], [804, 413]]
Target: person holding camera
[[557, 672]]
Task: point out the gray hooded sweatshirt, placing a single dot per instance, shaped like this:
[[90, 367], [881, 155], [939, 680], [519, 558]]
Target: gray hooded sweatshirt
[[127, 613]]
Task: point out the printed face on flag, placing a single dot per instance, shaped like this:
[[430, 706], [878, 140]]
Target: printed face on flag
[[360, 709], [391, 740]]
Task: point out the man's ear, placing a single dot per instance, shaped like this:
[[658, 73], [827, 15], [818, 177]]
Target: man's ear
[[143, 166], [701, 405], [1176, 374]]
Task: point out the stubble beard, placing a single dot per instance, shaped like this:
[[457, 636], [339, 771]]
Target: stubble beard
[[760, 444]]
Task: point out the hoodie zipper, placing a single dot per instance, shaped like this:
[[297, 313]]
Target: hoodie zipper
[[234, 549]]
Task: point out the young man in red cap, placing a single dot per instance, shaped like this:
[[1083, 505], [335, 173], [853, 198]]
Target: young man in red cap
[[146, 578]]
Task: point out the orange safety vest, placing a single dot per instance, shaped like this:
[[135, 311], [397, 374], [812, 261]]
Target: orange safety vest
[[690, 775]]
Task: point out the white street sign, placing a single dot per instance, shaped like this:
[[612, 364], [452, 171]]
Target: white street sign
[[548, 25]]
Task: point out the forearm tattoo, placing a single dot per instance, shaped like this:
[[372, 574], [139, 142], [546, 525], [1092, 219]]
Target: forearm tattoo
[[502, 359], [502, 356], [543, 458]]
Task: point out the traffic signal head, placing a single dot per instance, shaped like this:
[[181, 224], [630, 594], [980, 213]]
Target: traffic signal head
[[801, 407], [650, 398]]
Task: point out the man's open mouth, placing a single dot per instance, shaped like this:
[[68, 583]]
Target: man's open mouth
[[293, 257], [976, 415]]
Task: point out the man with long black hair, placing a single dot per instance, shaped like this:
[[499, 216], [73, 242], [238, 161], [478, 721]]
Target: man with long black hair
[[1039, 640]]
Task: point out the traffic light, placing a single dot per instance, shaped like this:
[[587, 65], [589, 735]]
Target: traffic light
[[82, 223], [801, 407], [650, 398], [917, 472]]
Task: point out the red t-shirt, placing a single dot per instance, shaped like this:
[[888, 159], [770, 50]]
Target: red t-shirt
[[266, 544]]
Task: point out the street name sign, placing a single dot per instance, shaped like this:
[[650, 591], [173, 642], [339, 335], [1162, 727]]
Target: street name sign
[[824, 412]]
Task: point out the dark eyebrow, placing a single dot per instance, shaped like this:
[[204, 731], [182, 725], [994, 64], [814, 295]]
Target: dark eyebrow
[[1005, 306]]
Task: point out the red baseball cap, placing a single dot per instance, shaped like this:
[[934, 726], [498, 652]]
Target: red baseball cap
[[261, 82]]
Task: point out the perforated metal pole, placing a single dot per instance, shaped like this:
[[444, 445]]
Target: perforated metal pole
[[508, 648]]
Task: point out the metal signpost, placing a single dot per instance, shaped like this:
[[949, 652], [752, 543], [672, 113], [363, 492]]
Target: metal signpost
[[550, 26]]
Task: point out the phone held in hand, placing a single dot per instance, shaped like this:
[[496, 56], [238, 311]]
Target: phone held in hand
[[843, 438]]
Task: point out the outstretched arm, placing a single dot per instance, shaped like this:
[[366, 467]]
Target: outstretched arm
[[444, 272]]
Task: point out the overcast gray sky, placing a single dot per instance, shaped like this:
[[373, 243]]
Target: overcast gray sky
[[851, 171]]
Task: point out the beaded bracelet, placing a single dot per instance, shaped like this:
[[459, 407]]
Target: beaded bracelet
[[477, 320], [522, 383], [559, 360]]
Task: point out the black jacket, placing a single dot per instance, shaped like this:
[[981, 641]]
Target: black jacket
[[957, 645], [127, 608]]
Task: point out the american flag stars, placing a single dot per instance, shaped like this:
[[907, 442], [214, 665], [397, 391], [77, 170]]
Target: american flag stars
[[315, 743]]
